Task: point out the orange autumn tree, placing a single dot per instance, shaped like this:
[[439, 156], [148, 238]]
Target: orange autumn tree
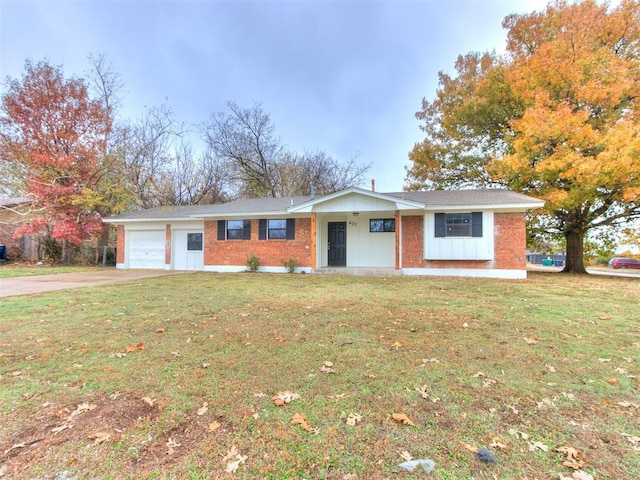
[[56, 134], [557, 117]]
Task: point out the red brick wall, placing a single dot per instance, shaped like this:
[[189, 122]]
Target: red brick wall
[[509, 245], [120, 244], [270, 252], [167, 245], [511, 240]]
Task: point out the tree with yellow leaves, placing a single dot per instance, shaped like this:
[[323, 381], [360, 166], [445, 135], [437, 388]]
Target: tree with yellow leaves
[[557, 117]]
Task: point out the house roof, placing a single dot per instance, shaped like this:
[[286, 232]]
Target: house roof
[[426, 200], [9, 202]]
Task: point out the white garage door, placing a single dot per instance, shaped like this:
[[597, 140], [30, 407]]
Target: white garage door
[[146, 249]]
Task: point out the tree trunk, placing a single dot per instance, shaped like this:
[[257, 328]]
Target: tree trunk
[[575, 252]]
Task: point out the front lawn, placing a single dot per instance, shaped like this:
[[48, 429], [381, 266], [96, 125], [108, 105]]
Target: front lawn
[[175, 377]]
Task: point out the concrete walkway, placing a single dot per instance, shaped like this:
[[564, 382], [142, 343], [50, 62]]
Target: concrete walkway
[[61, 281]]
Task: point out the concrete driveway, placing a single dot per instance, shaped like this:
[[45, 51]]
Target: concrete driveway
[[61, 281]]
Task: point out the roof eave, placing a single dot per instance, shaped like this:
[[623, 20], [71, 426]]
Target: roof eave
[[513, 207]]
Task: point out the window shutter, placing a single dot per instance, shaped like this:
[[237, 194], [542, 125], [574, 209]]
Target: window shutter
[[222, 229], [246, 230], [440, 227], [291, 228], [476, 224], [262, 229]]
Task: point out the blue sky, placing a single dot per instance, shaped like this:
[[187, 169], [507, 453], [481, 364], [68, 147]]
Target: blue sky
[[345, 77]]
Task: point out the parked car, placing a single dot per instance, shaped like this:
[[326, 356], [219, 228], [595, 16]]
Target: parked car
[[619, 262]]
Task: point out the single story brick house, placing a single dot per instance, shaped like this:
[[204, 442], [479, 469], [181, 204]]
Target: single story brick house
[[479, 233]]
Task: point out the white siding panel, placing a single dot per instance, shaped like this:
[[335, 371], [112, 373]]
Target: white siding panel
[[460, 248], [355, 203]]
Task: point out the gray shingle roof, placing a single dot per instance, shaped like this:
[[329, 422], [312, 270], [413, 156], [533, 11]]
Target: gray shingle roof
[[484, 197], [487, 196]]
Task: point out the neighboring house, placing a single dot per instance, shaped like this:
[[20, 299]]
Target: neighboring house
[[13, 213], [477, 233]]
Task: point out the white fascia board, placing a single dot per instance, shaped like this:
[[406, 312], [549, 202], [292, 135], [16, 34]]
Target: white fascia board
[[401, 203], [502, 207]]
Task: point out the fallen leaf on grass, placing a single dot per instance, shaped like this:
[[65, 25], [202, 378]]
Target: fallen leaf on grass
[[99, 437], [81, 408], [353, 419], [232, 467], [203, 409], [402, 419], [635, 441], [573, 458], [518, 433], [327, 367], [613, 381], [579, 475], [159, 330], [171, 446], [299, 419], [422, 391], [214, 426], [551, 368], [137, 346], [496, 442], [530, 340], [538, 446], [470, 447], [406, 456], [628, 404], [282, 398], [149, 401], [604, 360]]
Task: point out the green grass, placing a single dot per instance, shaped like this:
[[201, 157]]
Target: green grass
[[20, 270], [234, 341]]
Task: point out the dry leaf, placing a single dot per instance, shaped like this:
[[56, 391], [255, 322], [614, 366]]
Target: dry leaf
[[518, 433], [468, 446], [406, 456], [137, 346], [396, 345], [100, 437], [496, 442], [422, 391], [282, 398], [635, 441], [628, 404], [573, 458], [232, 467], [81, 408], [403, 419], [613, 381], [149, 401], [538, 446], [299, 419], [214, 426], [203, 409], [530, 340], [171, 445], [13, 447], [354, 418], [551, 368], [159, 330], [327, 367]]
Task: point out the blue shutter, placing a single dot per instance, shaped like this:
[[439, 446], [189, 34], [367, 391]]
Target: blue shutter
[[441, 230], [291, 228], [476, 224], [222, 229], [262, 229]]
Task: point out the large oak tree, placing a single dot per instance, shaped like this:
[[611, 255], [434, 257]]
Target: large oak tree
[[556, 117]]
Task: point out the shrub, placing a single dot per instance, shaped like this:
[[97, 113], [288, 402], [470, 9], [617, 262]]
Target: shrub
[[290, 265], [253, 263]]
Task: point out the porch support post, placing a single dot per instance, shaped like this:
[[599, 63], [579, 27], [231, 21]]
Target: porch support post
[[313, 240], [397, 217]]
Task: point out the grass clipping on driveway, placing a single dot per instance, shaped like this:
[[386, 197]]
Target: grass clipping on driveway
[[206, 376]]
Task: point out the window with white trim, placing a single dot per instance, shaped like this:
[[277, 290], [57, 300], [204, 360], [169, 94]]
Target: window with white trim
[[464, 224]]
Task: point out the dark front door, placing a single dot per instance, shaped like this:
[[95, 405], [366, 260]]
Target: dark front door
[[337, 244]]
